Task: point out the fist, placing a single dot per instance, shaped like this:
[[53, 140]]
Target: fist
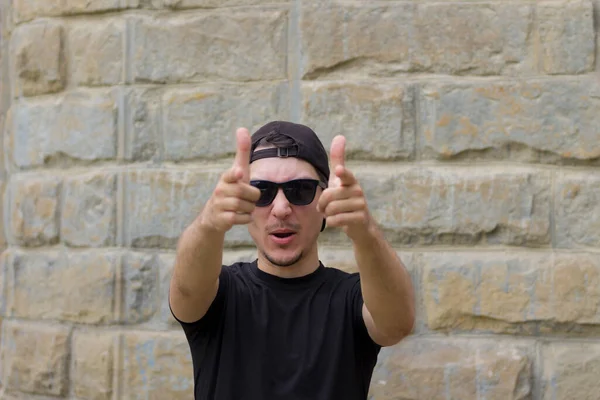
[[233, 199]]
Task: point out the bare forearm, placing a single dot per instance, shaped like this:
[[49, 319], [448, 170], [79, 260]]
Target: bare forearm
[[386, 285]]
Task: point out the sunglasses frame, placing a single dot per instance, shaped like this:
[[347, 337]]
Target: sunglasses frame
[[282, 186]]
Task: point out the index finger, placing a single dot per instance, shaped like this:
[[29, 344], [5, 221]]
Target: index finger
[[242, 154]]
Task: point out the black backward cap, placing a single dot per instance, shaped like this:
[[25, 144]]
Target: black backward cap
[[308, 145]]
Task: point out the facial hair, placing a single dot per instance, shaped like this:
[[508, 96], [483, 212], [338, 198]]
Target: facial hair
[[281, 263]]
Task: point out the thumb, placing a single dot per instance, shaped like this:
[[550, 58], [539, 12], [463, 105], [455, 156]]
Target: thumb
[[242, 154], [338, 155]]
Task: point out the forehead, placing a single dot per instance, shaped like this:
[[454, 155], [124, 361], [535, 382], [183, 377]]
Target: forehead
[[282, 169]]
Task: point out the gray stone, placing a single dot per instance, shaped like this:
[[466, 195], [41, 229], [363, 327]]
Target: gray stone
[[560, 117], [88, 216], [567, 36], [143, 111], [76, 287], [159, 204], [458, 206], [377, 119], [78, 127], [97, 51], [201, 122], [34, 211], [577, 210], [94, 356], [141, 274], [26, 10], [183, 4], [454, 368], [35, 358], [211, 46], [38, 59]]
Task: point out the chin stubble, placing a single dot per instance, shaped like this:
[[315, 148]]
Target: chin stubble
[[283, 264]]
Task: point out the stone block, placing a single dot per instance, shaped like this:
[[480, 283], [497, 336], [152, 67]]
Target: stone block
[[184, 4], [201, 122], [466, 206], [570, 371], [159, 204], [75, 287], [236, 45], [141, 276], [157, 367], [38, 59], [88, 217], [557, 117], [577, 210], [35, 358], [25, 10], [521, 293], [376, 118], [79, 127], [34, 210], [97, 50], [450, 368], [143, 124], [94, 356], [567, 36], [340, 39]]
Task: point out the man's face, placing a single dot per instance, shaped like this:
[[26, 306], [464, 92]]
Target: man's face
[[283, 232]]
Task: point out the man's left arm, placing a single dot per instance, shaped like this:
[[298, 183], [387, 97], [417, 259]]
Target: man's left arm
[[388, 310]]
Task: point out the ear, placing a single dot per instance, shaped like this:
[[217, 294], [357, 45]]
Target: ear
[[324, 224]]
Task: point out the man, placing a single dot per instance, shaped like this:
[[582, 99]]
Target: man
[[285, 326]]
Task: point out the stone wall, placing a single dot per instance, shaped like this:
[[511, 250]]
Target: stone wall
[[473, 126]]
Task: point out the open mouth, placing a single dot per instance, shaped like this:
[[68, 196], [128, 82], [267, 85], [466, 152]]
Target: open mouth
[[283, 235]]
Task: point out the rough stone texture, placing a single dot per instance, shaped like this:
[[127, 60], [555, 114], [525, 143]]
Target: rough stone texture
[[570, 371], [522, 293], [384, 40], [88, 215], [79, 126], [377, 119], [143, 108], [459, 118], [141, 274], [93, 365], [454, 369], [211, 46], [26, 10], [577, 204], [38, 59], [201, 122], [34, 210], [77, 287], [97, 51], [157, 366], [183, 4], [35, 358], [160, 204], [459, 206], [567, 36]]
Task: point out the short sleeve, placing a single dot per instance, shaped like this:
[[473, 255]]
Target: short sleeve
[[215, 311]]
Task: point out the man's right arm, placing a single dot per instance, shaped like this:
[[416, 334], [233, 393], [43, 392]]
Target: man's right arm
[[199, 258]]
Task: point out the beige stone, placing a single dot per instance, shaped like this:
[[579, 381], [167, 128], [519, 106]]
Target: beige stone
[[183, 4], [420, 368], [97, 51], [35, 358], [38, 59], [141, 274], [570, 371], [26, 10], [34, 210], [157, 367], [376, 118], [88, 215], [211, 46], [577, 204], [143, 125], [93, 364], [77, 287], [201, 122]]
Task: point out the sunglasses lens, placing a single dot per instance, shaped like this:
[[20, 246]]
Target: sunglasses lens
[[301, 192], [268, 191]]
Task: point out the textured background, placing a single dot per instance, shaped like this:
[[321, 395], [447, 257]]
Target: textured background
[[474, 127]]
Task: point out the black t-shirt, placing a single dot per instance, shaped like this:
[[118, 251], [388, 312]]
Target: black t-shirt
[[270, 338]]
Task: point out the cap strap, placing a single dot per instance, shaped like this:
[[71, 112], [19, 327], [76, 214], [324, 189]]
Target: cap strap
[[282, 152]]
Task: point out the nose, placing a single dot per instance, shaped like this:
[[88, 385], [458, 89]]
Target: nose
[[281, 206]]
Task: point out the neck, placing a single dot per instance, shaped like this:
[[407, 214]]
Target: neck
[[305, 266]]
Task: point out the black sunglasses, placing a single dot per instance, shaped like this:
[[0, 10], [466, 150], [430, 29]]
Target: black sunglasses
[[299, 192]]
